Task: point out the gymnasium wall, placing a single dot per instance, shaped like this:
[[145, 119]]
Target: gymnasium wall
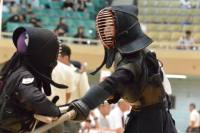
[[175, 61]]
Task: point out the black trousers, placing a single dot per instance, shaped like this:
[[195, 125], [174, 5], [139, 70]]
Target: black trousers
[[150, 121]]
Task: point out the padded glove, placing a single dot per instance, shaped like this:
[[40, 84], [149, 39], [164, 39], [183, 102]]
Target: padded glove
[[81, 108]]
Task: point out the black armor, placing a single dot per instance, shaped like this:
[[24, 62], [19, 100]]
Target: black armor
[[23, 77], [137, 77]]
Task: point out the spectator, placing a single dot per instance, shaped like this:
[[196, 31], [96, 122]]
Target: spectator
[[13, 8], [80, 35], [185, 4], [184, 42], [5, 9], [15, 18], [61, 74], [38, 23], [34, 3], [194, 123], [81, 85], [68, 5], [61, 29], [32, 20], [80, 6], [102, 115], [99, 119], [28, 9], [119, 121], [23, 4]]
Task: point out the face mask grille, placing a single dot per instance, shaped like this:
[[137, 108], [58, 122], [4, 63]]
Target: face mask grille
[[105, 27]]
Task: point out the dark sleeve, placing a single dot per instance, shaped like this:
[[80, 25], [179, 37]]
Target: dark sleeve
[[117, 81], [57, 27], [99, 93], [76, 36], [35, 100], [66, 28]]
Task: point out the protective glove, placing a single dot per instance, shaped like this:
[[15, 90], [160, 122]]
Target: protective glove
[[115, 98], [81, 108]]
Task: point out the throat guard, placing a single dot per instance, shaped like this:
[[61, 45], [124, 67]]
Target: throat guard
[[119, 29]]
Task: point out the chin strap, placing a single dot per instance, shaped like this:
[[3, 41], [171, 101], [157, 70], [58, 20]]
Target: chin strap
[[102, 64]]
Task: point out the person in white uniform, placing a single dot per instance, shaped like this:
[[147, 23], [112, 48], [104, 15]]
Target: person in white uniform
[[81, 86], [194, 124], [119, 121], [61, 74]]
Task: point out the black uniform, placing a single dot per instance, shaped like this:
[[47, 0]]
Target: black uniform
[[24, 76], [137, 78]]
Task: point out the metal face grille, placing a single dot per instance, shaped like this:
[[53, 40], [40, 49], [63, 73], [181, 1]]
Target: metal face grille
[[106, 27]]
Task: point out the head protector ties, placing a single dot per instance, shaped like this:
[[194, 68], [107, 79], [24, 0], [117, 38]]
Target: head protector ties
[[120, 31], [38, 49]]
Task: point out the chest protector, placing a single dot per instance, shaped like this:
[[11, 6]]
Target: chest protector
[[146, 86]]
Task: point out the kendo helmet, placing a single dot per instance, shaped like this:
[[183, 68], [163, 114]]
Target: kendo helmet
[[39, 49], [119, 31]]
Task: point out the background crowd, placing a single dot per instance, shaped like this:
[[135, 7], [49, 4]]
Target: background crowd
[[62, 17]]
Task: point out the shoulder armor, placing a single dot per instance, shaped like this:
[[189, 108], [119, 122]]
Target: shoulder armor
[[131, 62]]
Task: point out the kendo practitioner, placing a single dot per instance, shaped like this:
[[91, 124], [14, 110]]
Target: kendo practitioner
[[23, 76], [137, 77]]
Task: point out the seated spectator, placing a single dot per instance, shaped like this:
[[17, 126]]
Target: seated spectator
[[28, 9], [68, 5], [13, 8], [34, 3], [15, 18], [5, 9], [61, 29], [101, 115], [38, 23], [99, 119], [185, 4], [184, 42], [119, 121], [32, 20], [23, 4], [80, 35], [80, 6]]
